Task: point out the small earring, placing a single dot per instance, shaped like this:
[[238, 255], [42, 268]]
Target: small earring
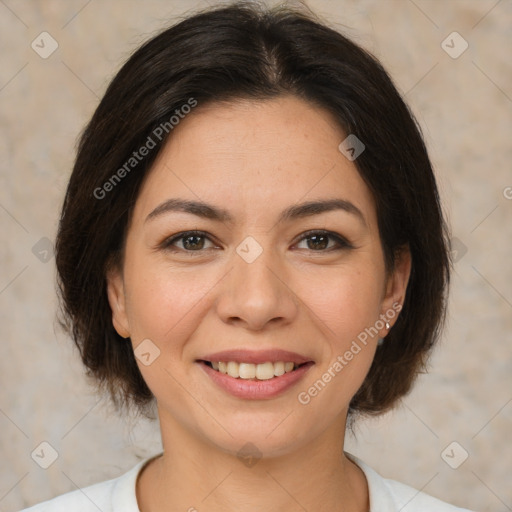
[[387, 325]]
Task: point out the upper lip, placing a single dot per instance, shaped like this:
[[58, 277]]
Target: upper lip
[[256, 356]]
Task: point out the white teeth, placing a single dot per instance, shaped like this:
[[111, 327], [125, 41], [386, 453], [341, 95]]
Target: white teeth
[[233, 369], [265, 371], [262, 371], [279, 368], [247, 371]]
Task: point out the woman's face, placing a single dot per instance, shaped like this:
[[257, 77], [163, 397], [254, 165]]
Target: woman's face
[[254, 281]]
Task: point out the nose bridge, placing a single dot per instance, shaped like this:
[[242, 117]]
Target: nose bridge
[[256, 292], [254, 266]]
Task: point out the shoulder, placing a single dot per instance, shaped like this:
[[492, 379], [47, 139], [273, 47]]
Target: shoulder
[[389, 495], [115, 495], [409, 499], [92, 498]]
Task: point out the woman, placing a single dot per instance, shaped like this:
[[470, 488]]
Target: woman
[[252, 239]]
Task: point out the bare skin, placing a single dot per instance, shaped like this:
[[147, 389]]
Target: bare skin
[[306, 295]]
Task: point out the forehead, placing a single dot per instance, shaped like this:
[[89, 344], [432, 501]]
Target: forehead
[[254, 155]]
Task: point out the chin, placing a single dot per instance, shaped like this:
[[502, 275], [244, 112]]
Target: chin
[[252, 446], [256, 434]]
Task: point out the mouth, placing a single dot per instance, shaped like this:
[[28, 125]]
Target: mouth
[[254, 381], [254, 372]]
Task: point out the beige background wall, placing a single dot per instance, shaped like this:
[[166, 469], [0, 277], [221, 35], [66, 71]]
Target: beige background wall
[[464, 105]]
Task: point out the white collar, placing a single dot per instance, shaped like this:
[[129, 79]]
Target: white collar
[[124, 495]]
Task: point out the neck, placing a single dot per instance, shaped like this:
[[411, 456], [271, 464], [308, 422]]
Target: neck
[[194, 475]]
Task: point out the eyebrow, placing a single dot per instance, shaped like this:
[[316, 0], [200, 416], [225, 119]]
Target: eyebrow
[[208, 211]]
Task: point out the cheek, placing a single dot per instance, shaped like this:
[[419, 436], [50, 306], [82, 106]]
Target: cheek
[[163, 302], [165, 305], [347, 300], [347, 305]]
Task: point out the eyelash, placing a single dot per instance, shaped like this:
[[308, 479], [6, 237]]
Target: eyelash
[[167, 244]]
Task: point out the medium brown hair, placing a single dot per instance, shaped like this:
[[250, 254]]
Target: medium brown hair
[[247, 51]]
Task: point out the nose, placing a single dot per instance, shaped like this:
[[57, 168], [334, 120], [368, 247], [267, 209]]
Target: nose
[[258, 293]]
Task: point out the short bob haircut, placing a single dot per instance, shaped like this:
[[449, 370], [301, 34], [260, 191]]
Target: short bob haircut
[[247, 51]]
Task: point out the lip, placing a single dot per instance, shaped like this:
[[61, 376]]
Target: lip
[[255, 389], [256, 356]]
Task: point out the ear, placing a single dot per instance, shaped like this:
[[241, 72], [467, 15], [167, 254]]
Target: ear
[[116, 299], [396, 287]]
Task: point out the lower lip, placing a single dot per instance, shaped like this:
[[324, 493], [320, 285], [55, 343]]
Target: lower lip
[[256, 389]]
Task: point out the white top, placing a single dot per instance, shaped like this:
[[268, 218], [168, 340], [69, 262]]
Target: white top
[[118, 495]]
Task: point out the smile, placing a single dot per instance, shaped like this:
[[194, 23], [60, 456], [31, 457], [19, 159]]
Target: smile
[[263, 371], [250, 381]]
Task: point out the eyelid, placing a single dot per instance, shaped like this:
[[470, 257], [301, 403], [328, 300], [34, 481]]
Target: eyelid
[[167, 243], [341, 241]]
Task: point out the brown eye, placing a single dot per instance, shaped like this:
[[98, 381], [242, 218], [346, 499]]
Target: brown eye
[[318, 241], [191, 241]]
